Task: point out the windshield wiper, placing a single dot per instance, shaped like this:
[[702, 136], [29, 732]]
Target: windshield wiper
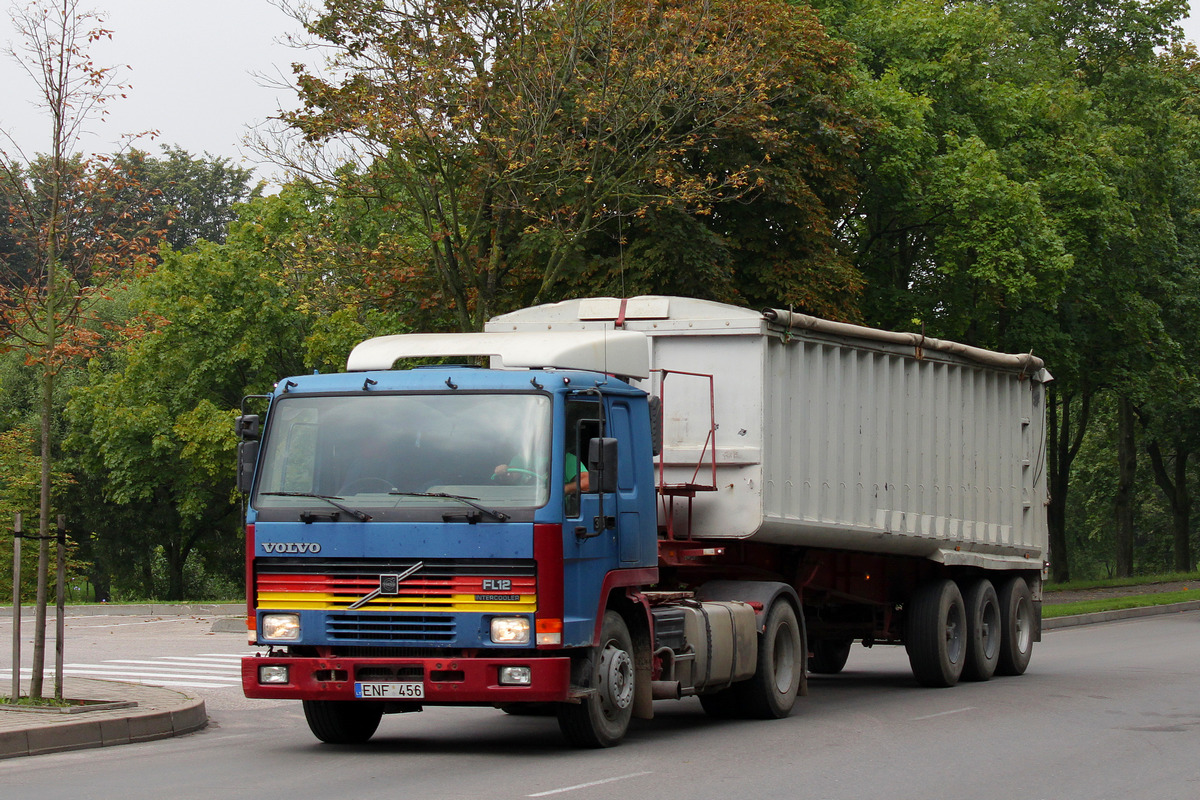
[[361, 516], [499, 516]]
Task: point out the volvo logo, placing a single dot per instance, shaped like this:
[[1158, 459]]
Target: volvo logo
[[291, 547], [388, 585]]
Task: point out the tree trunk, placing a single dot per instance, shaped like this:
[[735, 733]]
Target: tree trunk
[[1179, 500], [1056, 508], [1062, 446], [1126, 471]]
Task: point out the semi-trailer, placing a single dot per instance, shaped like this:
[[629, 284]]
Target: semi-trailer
[[600, 503]]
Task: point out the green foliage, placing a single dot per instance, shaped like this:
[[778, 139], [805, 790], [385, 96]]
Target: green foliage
[[513, 144], [191, 199]]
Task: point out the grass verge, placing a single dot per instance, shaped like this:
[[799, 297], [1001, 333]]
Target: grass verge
[[1117, 603], [1115, 583]]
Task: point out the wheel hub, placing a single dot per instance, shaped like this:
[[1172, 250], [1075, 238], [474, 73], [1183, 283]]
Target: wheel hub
[[616, 677]]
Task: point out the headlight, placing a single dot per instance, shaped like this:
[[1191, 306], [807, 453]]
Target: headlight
[[510, 630], [281, 627]]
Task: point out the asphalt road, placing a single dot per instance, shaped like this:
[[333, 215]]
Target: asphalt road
[[1105, 711]]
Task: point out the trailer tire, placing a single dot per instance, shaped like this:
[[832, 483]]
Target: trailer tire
[[342, 721], [602, 718], [1016, 626], [829, 655], [983, 630], [771, 692], [936, 633]]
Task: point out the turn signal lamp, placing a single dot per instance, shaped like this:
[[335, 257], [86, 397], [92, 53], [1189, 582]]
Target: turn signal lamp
[[549, 631]]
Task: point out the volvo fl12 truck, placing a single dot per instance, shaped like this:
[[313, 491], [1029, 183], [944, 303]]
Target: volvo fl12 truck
[[599, 504]]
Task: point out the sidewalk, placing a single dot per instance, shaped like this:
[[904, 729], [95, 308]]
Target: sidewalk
[[160, 713], [140, 714]]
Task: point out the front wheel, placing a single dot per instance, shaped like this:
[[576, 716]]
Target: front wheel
[[342, 721], [602, 718]]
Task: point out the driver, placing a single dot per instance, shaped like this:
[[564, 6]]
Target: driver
[[575, 474]]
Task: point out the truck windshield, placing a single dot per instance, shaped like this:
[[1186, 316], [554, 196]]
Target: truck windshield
[[407, 451]]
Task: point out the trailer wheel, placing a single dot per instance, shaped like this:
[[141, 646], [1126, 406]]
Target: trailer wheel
[[983, 630], [936, 633], [829, 655], [771, 692], [1016, 626], [602, 718], [342, 721]]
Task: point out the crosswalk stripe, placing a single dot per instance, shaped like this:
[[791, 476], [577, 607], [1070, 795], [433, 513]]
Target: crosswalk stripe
[[208, 671], [172, 664]]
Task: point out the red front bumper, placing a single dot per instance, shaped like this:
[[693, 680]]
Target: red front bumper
[[446, 680]]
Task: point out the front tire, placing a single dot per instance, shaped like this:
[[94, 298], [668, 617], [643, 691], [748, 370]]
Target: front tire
[[936, 633], [602, 718], [342, 721]]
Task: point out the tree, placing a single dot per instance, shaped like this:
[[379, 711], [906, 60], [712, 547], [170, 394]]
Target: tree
[[43, 298], [510, 134], [1025, 188], [191, 198], [153, 430]]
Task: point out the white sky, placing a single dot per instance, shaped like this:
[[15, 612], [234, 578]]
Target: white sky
[[196, 74]]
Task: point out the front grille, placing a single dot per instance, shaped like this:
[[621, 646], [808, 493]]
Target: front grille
[[439, 585], [389, 628]]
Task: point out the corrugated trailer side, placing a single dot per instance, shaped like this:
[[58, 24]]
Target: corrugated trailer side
[[881, 447]]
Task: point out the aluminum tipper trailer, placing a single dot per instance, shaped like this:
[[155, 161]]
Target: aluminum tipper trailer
[[869, 465]]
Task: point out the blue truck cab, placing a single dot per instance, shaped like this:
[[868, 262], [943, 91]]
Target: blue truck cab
[[451, 534]]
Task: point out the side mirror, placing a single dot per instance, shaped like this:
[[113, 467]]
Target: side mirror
[[247, 458], [602, 464], [247, 427]]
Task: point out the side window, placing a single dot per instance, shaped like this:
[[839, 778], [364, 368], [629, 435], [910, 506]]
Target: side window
[[582, 425], [620, 427]]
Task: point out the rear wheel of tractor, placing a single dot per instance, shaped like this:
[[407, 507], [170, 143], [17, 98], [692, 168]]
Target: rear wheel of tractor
[[342, 721], [829, 655], [602, 718], [936, 633], [983, 630], [1016, 626], [771, 692]]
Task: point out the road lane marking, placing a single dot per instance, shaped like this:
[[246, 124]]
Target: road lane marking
[[943, 714], [589, 784]]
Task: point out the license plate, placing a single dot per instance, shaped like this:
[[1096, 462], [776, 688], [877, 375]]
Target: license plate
[[389, 691]]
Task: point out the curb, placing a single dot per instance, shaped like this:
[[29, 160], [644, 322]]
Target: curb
[[1058, 623], [160, 714]]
